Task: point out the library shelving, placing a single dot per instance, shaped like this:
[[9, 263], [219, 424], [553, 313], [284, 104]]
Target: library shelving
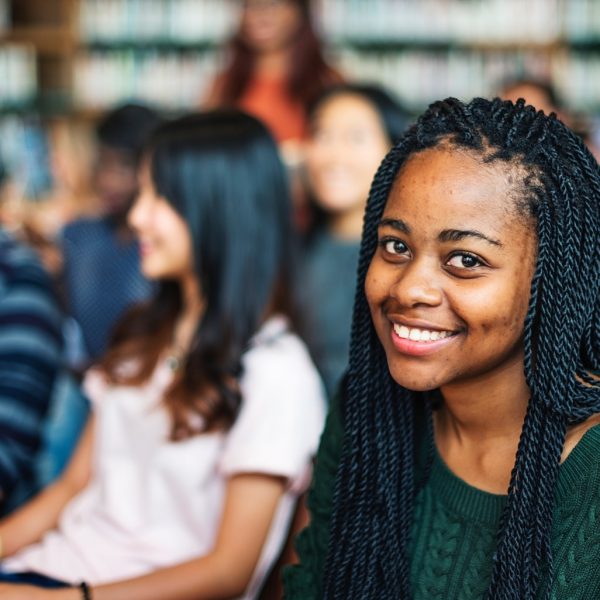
[[89, 54], [429, 49]]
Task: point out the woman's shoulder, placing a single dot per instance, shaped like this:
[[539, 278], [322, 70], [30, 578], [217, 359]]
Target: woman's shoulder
[[276, 345], [579, 474], [278, 363], [576, 433]]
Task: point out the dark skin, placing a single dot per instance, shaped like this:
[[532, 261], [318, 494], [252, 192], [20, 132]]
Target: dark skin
[[454, 268]]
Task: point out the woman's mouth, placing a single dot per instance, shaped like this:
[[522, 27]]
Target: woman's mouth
[[418, 341]]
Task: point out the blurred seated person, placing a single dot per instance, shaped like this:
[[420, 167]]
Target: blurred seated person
[[352, 127], [70, 148], [101, 270], [542, 94], [30, 358], [538, 92], [206, 410], [276, 70]]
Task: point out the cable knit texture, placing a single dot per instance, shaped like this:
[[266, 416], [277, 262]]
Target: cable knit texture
[[455, 529]]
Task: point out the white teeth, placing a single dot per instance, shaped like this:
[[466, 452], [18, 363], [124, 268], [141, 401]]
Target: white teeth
[[420, 335]]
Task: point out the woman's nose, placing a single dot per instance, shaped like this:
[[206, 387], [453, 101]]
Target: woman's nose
[[135, 215], [417, 284]]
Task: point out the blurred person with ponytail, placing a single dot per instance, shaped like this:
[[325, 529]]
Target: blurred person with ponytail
[[462, 458]]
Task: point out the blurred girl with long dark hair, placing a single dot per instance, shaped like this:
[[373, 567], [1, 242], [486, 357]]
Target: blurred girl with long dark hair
[[206, 408]]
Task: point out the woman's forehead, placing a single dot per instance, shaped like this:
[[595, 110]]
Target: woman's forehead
[[441, 186]]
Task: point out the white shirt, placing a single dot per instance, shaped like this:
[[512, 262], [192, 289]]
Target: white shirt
[[153, 503]]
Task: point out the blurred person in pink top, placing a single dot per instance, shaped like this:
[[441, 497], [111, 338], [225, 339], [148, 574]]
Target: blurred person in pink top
[[206, 409]]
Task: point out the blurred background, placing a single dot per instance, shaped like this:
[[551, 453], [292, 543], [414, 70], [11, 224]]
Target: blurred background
[[83, 82], [64, 62]]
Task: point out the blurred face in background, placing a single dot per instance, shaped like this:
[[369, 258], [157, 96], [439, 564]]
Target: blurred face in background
[[164, 236], [346, 145], [115, 179], [270, 25], [537, 96]]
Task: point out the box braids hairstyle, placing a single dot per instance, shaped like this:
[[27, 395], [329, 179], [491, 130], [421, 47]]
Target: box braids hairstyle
[[375, 486]]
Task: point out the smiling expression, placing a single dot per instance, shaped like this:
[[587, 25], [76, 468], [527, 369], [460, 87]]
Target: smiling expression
[[269, 25], [347, 143], [449, 284], [164, 236]]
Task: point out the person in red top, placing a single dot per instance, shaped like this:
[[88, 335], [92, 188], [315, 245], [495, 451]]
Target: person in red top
[[276, 67]]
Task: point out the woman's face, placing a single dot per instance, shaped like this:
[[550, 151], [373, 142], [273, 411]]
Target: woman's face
[[347, 144], [449, 284], [269, 25], [165, 240]]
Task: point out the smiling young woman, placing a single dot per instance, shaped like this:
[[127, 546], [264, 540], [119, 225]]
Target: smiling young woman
[[461, 460]]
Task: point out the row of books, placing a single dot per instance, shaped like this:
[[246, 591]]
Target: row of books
[[179, 80], [405, 21], [4, 15], [461, 21], [143, 21], [582, 20], [166, 79], [418, 78]]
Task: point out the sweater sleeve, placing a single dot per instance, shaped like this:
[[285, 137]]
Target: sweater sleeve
[[30, 354], [304, 581]]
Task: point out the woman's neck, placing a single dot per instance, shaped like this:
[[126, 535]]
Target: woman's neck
[[478, 427], [193, 307], [347, 225], [273, 64]]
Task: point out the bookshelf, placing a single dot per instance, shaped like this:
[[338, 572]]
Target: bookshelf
[[43, 33], [429, 49], [76, 58], [85, 55]]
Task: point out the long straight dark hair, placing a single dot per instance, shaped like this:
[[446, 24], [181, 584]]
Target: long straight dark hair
[[368, 554], [309, 72], [222, 173]]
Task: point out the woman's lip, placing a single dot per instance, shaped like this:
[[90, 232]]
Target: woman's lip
[[419, 324], [144, 249], [418, 348]]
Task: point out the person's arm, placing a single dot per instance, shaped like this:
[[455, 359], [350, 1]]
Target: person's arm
[[250, 504], [29, 523], [304, 580]]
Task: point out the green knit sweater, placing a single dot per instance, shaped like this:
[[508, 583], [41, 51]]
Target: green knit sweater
[[455, 527]]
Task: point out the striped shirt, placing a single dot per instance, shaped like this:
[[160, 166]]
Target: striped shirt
[[30, 356]]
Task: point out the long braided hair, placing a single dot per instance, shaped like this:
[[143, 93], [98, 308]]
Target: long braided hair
[[375, 488]]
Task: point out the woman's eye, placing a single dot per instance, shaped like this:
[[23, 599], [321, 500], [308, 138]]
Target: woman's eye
[[464, 261], [394, 246]]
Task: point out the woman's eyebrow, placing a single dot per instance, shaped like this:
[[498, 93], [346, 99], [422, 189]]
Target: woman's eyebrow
[[456, 235], [397, 224], [448, 235]]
